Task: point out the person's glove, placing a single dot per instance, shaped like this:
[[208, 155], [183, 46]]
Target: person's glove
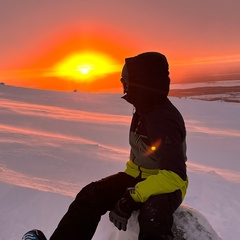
[[122, 211]]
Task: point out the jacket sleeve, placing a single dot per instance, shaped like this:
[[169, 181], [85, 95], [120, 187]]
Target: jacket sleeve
[[163, 182]]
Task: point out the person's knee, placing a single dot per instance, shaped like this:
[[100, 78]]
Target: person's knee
[[89, 193]]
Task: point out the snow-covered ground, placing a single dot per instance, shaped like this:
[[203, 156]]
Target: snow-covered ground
[[223, 91], [227, 83], [54, 143]]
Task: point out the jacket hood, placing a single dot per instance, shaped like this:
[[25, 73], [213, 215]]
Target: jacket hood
[[147, 78]]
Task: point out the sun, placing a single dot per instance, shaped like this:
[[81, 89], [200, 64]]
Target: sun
[[85, 66], [84, 70]]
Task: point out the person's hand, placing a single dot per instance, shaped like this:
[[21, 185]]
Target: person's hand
[[122, 211]]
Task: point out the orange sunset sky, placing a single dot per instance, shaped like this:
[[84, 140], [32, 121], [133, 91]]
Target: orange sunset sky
[[74, 44]]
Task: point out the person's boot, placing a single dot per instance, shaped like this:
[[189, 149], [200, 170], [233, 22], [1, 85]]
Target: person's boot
[[34, 234]]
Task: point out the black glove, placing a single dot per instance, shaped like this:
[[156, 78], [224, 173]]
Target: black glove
[[122, 211]]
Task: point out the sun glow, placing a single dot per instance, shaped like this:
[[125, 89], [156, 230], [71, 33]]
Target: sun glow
[[84, 70], [85, 66]]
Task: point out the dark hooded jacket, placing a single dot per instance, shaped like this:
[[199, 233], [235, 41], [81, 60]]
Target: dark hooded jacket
[[157, 133]]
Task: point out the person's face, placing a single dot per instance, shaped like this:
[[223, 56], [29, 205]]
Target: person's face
[[125, 85], [124, 79]]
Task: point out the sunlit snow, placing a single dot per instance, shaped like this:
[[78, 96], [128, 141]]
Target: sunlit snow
[[54, 143]]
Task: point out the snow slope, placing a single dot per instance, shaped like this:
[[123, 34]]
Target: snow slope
[[54, 143]]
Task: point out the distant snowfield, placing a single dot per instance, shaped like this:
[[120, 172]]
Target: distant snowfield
[[223, 91], [54, 143], [228, 83]]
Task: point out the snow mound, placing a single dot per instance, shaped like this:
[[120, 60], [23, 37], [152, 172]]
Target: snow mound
[[189, 224]]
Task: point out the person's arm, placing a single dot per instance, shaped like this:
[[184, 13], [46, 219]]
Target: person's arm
[[164, 182]]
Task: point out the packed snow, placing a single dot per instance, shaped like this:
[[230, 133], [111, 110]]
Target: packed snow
[[54, 143]]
